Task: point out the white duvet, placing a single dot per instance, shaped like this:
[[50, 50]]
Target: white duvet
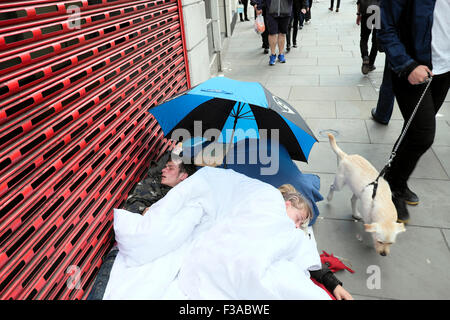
[[216, 235]]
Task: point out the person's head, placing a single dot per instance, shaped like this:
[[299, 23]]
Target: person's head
[[176, 171], [298, 207]]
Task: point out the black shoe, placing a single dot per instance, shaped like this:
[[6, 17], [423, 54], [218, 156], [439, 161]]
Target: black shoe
[[365, 65], [400, 205], [409, 197], [294, 45], [374, 117], [288, 49], [246, 19], [266, 51], [371, 68]]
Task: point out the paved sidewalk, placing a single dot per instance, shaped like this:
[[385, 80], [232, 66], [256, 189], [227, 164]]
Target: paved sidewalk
[[322, 79]]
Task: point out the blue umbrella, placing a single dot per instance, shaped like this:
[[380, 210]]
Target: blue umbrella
[[228, 105]]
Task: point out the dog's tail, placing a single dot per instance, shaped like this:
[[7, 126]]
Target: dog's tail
[[341, 154]]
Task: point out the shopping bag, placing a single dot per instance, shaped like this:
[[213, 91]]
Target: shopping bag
[[240, 8], [259, 24]]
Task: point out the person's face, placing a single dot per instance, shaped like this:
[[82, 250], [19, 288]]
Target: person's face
[[171, 175], [297, 215]]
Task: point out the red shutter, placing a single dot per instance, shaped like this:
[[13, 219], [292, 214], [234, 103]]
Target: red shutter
[[75, 134]]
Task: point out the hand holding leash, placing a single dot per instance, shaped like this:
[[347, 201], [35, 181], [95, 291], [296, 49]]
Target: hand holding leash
[[420, 75]]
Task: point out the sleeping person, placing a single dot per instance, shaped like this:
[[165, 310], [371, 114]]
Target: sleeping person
[[205, 205]]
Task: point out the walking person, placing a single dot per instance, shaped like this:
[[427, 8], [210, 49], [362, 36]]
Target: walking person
[[298, 11], [366, 20], [383, 111], [308, 12], [415, 35], [245, 4], [278, 15], [265, 34], [338, 3]]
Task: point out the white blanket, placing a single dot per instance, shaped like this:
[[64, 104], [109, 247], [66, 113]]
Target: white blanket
[[216, 235]]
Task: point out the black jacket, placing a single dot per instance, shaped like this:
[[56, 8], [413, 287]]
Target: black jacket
[[326, 277], [276, 8], [405, 33]]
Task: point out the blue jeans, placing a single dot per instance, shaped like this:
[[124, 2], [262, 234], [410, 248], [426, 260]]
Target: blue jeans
[[386, 97]]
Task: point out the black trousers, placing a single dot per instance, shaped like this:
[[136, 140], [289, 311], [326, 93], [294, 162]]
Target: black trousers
[[265, 34], [363, 43], [420, 135], [337, 4], [308, 13], [245, 3], [293, 23]]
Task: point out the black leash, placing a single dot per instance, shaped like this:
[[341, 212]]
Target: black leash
[[394, 152]]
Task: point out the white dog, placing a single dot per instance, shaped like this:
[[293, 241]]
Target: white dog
[[379, 214]]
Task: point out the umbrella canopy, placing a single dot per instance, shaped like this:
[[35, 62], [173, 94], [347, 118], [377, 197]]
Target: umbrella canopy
[[230, 105]]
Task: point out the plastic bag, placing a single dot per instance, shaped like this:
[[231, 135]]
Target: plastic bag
[[240, 8], [259, 24]]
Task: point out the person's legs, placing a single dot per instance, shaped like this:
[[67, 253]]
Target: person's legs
[[331, 5], [364, 38], [301, 20], [295, 21], [385, 105], [288, 35], [245, 3], [439, 89], [281, 42], [283, 24], [308, 12], [420, 135], [273, 39], [373, 50], [265, 34]]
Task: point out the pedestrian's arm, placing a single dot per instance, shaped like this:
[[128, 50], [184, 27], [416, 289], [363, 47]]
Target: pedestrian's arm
[[401, 62], [259, 4]]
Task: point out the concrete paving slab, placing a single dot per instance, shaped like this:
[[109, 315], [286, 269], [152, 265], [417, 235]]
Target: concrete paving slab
[[314, 70], [326, 93], [412, 271], [344, 80], [348, 130], [443, 155], [368, 93], [314, 109], [361, 110]]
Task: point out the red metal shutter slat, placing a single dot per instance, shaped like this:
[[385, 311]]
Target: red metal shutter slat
[[75, 134]]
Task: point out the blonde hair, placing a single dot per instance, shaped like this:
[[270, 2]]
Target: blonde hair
[[298, 201]]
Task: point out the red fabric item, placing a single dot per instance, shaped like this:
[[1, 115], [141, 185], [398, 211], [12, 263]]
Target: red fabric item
[[333, 263]]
